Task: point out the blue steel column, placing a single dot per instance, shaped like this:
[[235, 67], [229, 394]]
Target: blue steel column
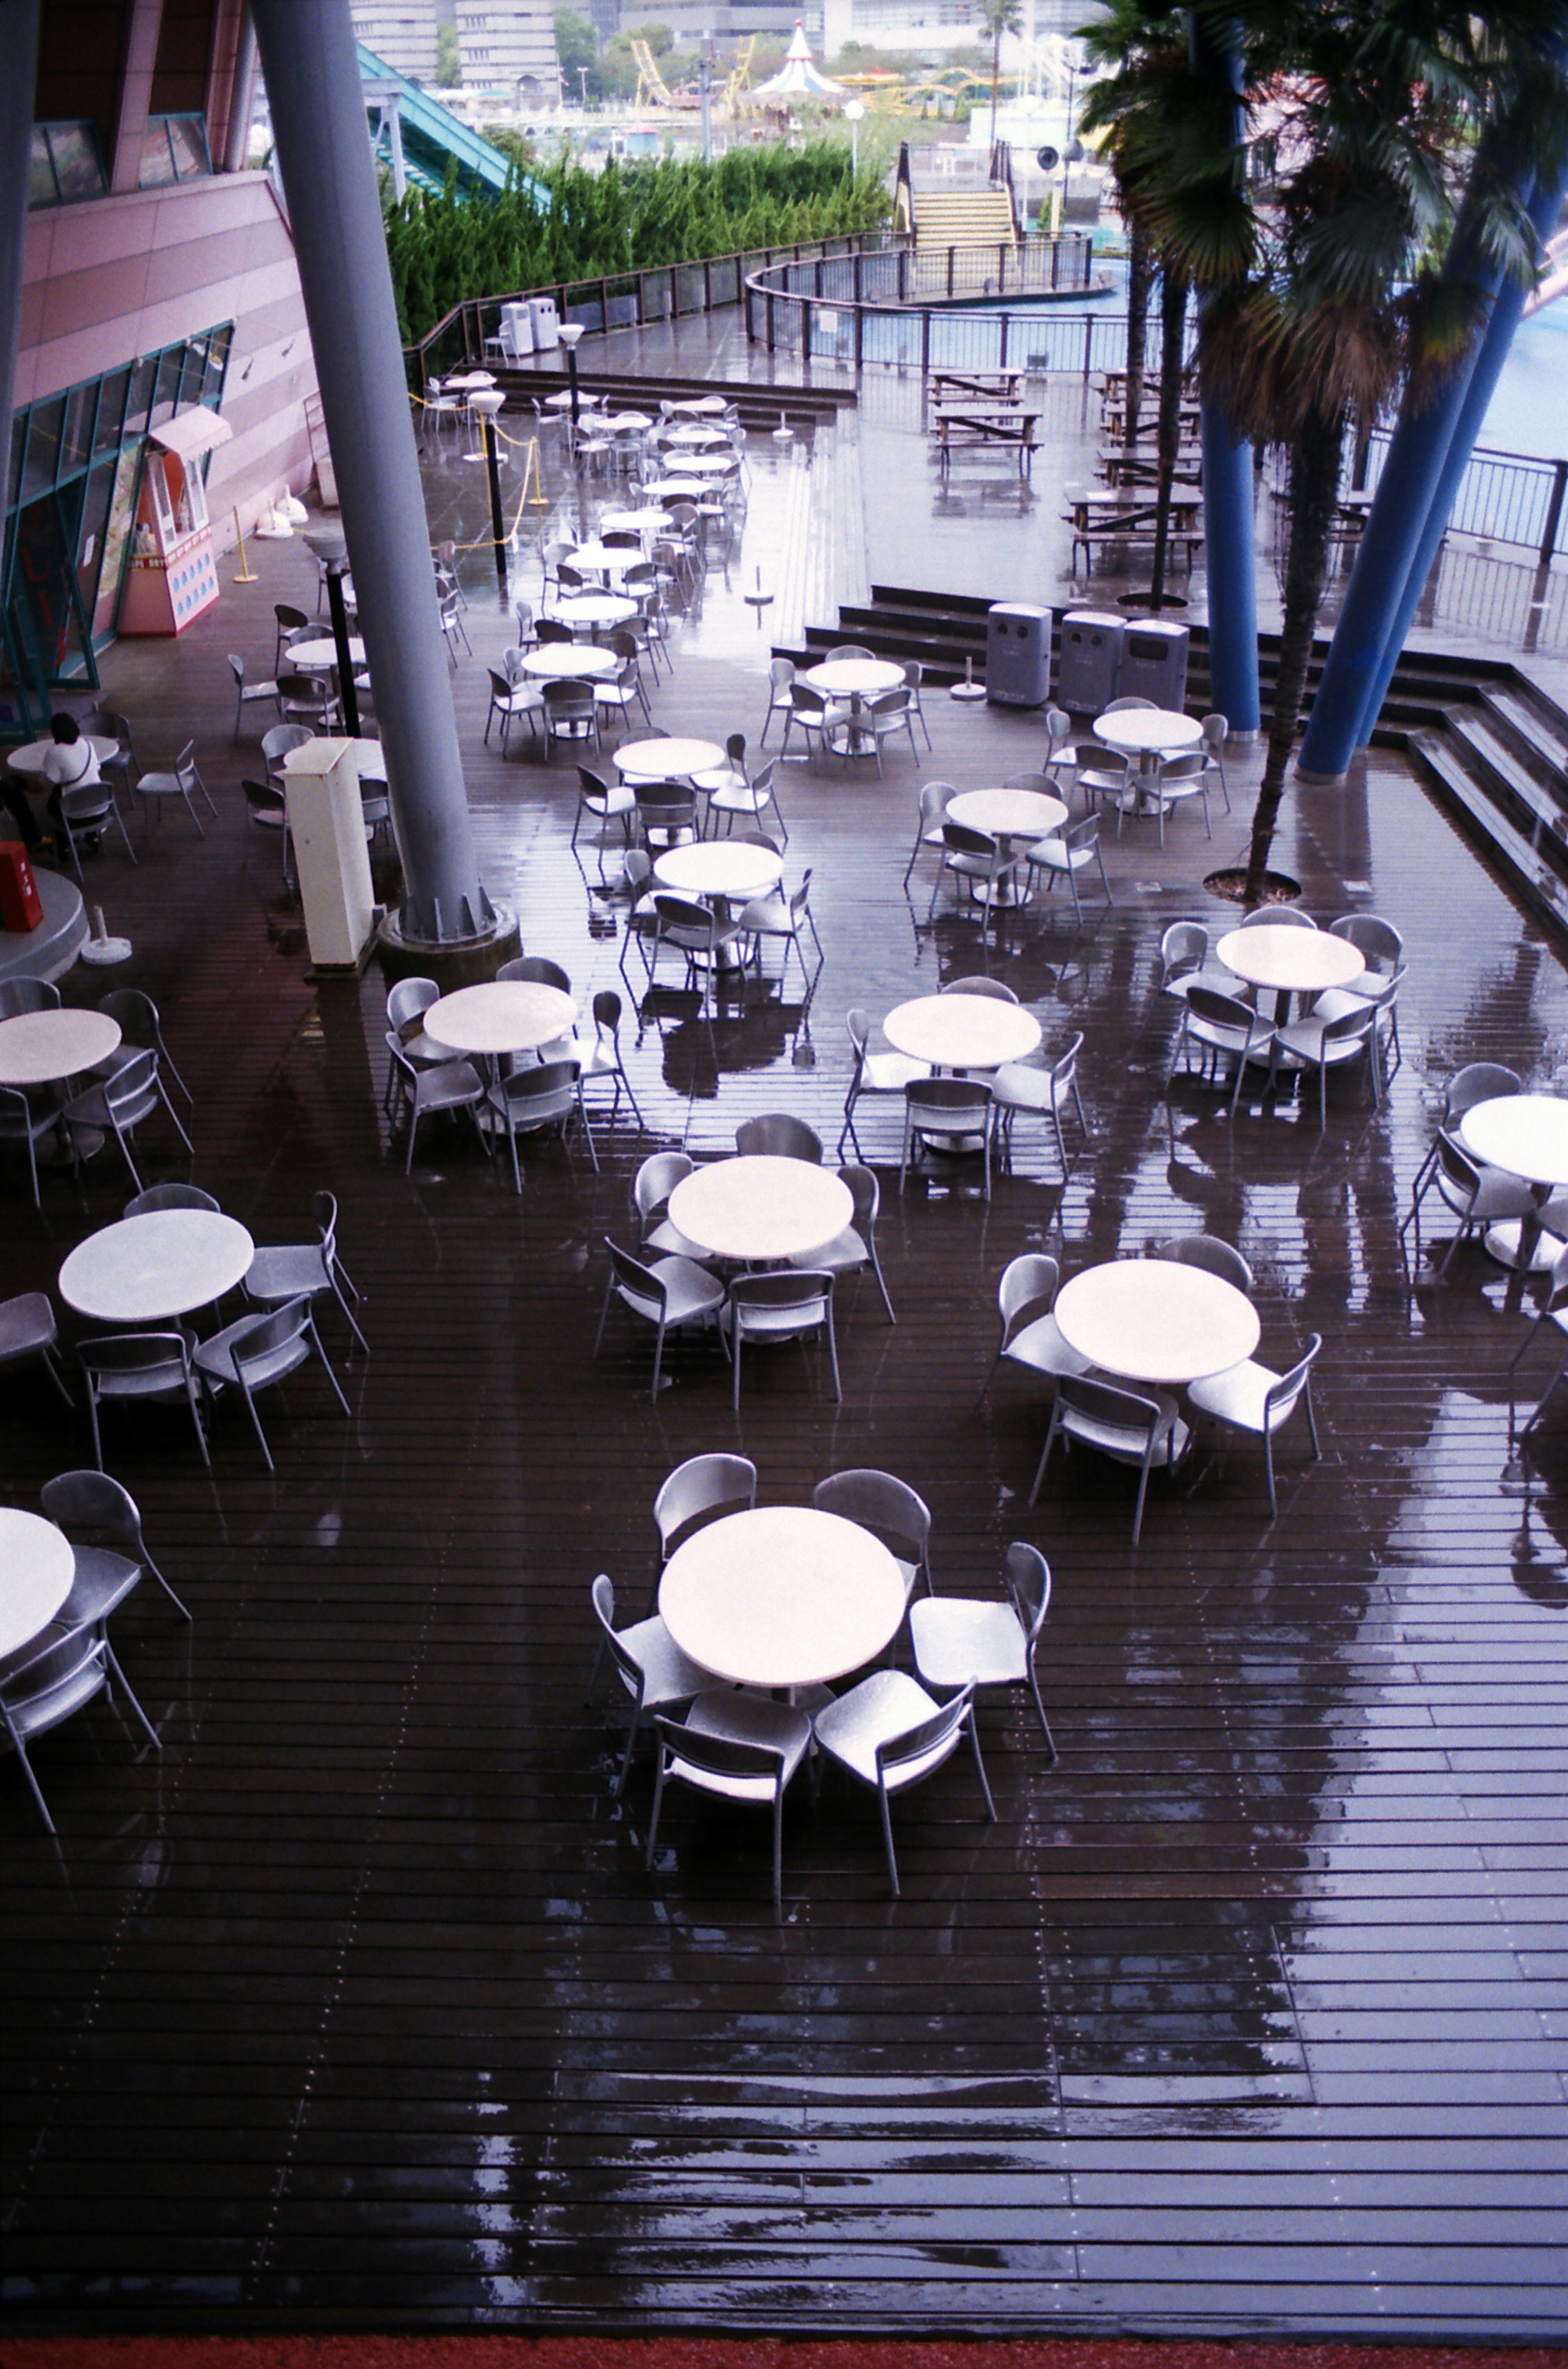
[[1506, 315], [1230, 536], [318, 119]]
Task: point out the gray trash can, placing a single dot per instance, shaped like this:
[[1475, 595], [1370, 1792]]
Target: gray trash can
[[546, 324], [1154, 662], [516, 329], [1018, 654], [1090, 657]]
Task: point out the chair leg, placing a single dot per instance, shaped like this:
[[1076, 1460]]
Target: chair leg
[[888, 1840]]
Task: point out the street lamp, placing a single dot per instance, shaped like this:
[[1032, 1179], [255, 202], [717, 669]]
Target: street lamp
[[329, 547], [854, 110], [570, 331]]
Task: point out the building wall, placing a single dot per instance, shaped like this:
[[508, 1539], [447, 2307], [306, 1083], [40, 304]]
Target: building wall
[[118, 278]]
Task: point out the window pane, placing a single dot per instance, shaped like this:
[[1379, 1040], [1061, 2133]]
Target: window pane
[[75, 440], [138, 409], [45, 423], [167, 392], [157, 159], [111, 413], [77, 164], [41, 190], [188, 139], [218, 360]]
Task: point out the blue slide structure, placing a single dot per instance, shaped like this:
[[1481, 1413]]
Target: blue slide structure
[[429, 138]]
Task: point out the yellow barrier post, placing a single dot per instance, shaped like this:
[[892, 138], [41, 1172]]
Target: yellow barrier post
[[245, 575]]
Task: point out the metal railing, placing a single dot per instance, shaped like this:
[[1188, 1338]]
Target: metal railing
[[626, 299], [903, 308], [1503, 497]]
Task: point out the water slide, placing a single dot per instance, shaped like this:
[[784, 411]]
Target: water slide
[[419, 139]]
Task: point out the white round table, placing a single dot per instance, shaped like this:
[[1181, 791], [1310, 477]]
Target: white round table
[[646, 520], [1146, 732], [586, 400], [761, 1208], [571, 662], [700, 407], [38, 1564], [855, 678], [1156, 1321], [39, 1048], [782, 1595], [624, 423], [1008, 815], [593, 609], [668, 760], [685, 489], [499, 1015], [151, 1269], [1525, 1136], [467, 382], [962, 1032], [1290, 961], [719, 868], [604, 559], [694, 438], [28, 761], [308, 657], [710, 464]]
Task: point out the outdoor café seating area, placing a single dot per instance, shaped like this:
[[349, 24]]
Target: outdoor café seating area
[[859, 1580]]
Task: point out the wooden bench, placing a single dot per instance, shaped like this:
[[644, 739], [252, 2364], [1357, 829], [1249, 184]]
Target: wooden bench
[[1096, 519], [957, 426], [1002, 384]]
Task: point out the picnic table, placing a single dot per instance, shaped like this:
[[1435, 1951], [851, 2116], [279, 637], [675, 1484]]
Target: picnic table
[[964, 384], [1098, 519], [992, 421]]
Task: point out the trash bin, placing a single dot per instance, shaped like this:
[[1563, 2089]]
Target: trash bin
[[1090, 657], [546, 324], [1018, 654], [516, 330], [327, 825], [1154, 662]]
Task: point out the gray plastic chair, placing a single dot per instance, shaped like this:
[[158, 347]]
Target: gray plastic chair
[[697, 1493], [140, 1027], [548, 1096], [91, 1508], [665, 1292], [27, 1328], [1215, 1257], [962, 1641], [741, 1747], [26, 1118], [168, 1197], [57, 1674], [448, 1086], [856, 1246], [651, 1666], [261, 1350], [1031, 1337], [149, 1365], [875, 1073], [117, 1107], [782, 1304], [1042, 1093], [651, 1188], [19, 995], [951, 1111], [997, 989], [1222, 1026], [882, 1503], [279, 1272], [154, 788], [1130, 1426], [781, 1135], [1073, 850], [1250, 1398], [890, 1734]]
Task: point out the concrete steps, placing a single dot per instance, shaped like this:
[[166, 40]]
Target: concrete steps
[[962, 218]]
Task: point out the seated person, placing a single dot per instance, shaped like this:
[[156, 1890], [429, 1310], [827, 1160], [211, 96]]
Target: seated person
[[69, 765]]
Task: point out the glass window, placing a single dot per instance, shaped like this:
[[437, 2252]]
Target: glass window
[[78, 165], [111, 413], [43, 188], [138, 406], [158, 157], [76, 435], [167, 394], [187, 144], [40, 460]]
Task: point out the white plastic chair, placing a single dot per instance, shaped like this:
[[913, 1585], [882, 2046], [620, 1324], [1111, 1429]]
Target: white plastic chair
[[741, 1747], [962, 1641], [1250, 1398], [888, 1733]]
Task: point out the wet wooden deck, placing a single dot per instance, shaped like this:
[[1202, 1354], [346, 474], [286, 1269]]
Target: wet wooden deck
[[360, 2008]]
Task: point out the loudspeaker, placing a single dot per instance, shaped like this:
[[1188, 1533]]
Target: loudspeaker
[[1091, 655], [1018, 655], [1154, 662]]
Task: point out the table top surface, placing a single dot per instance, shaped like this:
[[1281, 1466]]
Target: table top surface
[[39, 1564], [499, 1015], [718, 867], [695, 436], [1156, 1321], [645, 520], [759, 1206], [700, 407], [586, 399], [657, 760], [709, 464], [867, 676], [147, 1270], [962, 1032], [625, 422], [466, 380], [690, 489], [1008, 813], [38, 1048], [1147, 732], [570, 661], [1525, 1134], [304, 656], [607, 558], [1274, 956], [29, 758], [782, 1596], [595, 608]]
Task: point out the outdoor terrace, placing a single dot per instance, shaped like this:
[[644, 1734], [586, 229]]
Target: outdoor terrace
[[358, 2006]]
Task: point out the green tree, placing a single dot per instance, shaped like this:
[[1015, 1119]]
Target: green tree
[[449, 58], [575, 47], [994, 19]]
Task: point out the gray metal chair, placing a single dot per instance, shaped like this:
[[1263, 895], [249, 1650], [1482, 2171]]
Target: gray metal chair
[[936, 798], [284, 1270], [1250, 1398], [880, 1502], [27, 1119], [651, 1666], [1040, 1092], [57, 1674], [1477, 1197], [1130, 1426], [85, 811], [1184, 963], [1325, 1044], [977, 862], [1031, 1337], [665, 1292], [1222, 1027], [875, 1073], [155, 1367], [997, 989], [1064, 857], [597, 1053], [697, 1493], [955, 1112], [962, 1641], [418, 1093], [548, 1096], [154, 788], [856, 1246], [1215, 1257], [651, 1188], [117, 1106], [168, 1197], [19, 995], [741, 1747], [139, 1028], [787, 917], [780, 1304], [27, 1328], [779, 1135], [260, 1350], [888, 1733], [101, 1520], [247, 693], [1216, 732]]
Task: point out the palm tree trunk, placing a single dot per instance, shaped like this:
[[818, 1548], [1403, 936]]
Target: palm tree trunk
[[1172, 326], [1314, 490], [1140, 277]]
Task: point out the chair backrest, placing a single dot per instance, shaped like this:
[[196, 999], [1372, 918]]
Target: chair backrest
[[19, 995], [888, 705], [606, 1011], [408, 998], [265, 802], [1358, 1022], [914, 674], [1210, 1253], [807, 1292], [880, 1502], [634, 1280], [1041, 783], [858, 1024], [1188, 765], [553, 629], [290, 620], [533, 1097], [657, 1179], [92, 1501], [996, 989], [1028, 1284], [1283, 1393], [536, 970], [1084, 833], [1120, 706], [725, 1764], [666, 805], [848, 650], [950, 1096], [1028, 1577], [1064, 1068], [1277, 917], [904, 1758], [1225, 1010], [959, 840], [282, 737], [781, 1133], [500, 686], [1183, 946], [806, 700], [1216, 732], [735, 749], [569, 701], [866, 1195], [684, 922], [1058, 729], [168, 1197], [707, 1484], [160, 1360], [324, 1217], [601, 1596], [1107, 1406], [1454, 1163], [781, 674], [1479, 1081], [934, 799], [274, 1331], [131, 1094], [1373, 938], [132, 1008]]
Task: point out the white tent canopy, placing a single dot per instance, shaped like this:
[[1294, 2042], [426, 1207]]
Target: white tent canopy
[[797, 77]]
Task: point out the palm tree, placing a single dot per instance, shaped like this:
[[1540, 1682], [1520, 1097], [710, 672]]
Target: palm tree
[[994, 19]]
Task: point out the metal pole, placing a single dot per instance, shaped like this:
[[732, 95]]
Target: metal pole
[[319, 117], [18, 73], [347, 689], [493, 467]]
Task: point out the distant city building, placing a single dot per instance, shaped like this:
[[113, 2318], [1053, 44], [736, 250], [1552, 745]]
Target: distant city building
[[499, 42]]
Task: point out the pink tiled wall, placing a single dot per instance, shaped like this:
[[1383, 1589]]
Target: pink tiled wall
[[120, 277]]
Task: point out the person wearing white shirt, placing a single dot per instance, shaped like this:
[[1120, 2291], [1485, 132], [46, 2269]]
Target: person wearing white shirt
[[69, 765]]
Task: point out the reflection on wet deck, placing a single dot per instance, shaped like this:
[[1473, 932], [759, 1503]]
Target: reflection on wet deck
[[1247, 2014]]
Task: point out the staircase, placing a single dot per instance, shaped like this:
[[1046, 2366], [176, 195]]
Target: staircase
[[963, 218]]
